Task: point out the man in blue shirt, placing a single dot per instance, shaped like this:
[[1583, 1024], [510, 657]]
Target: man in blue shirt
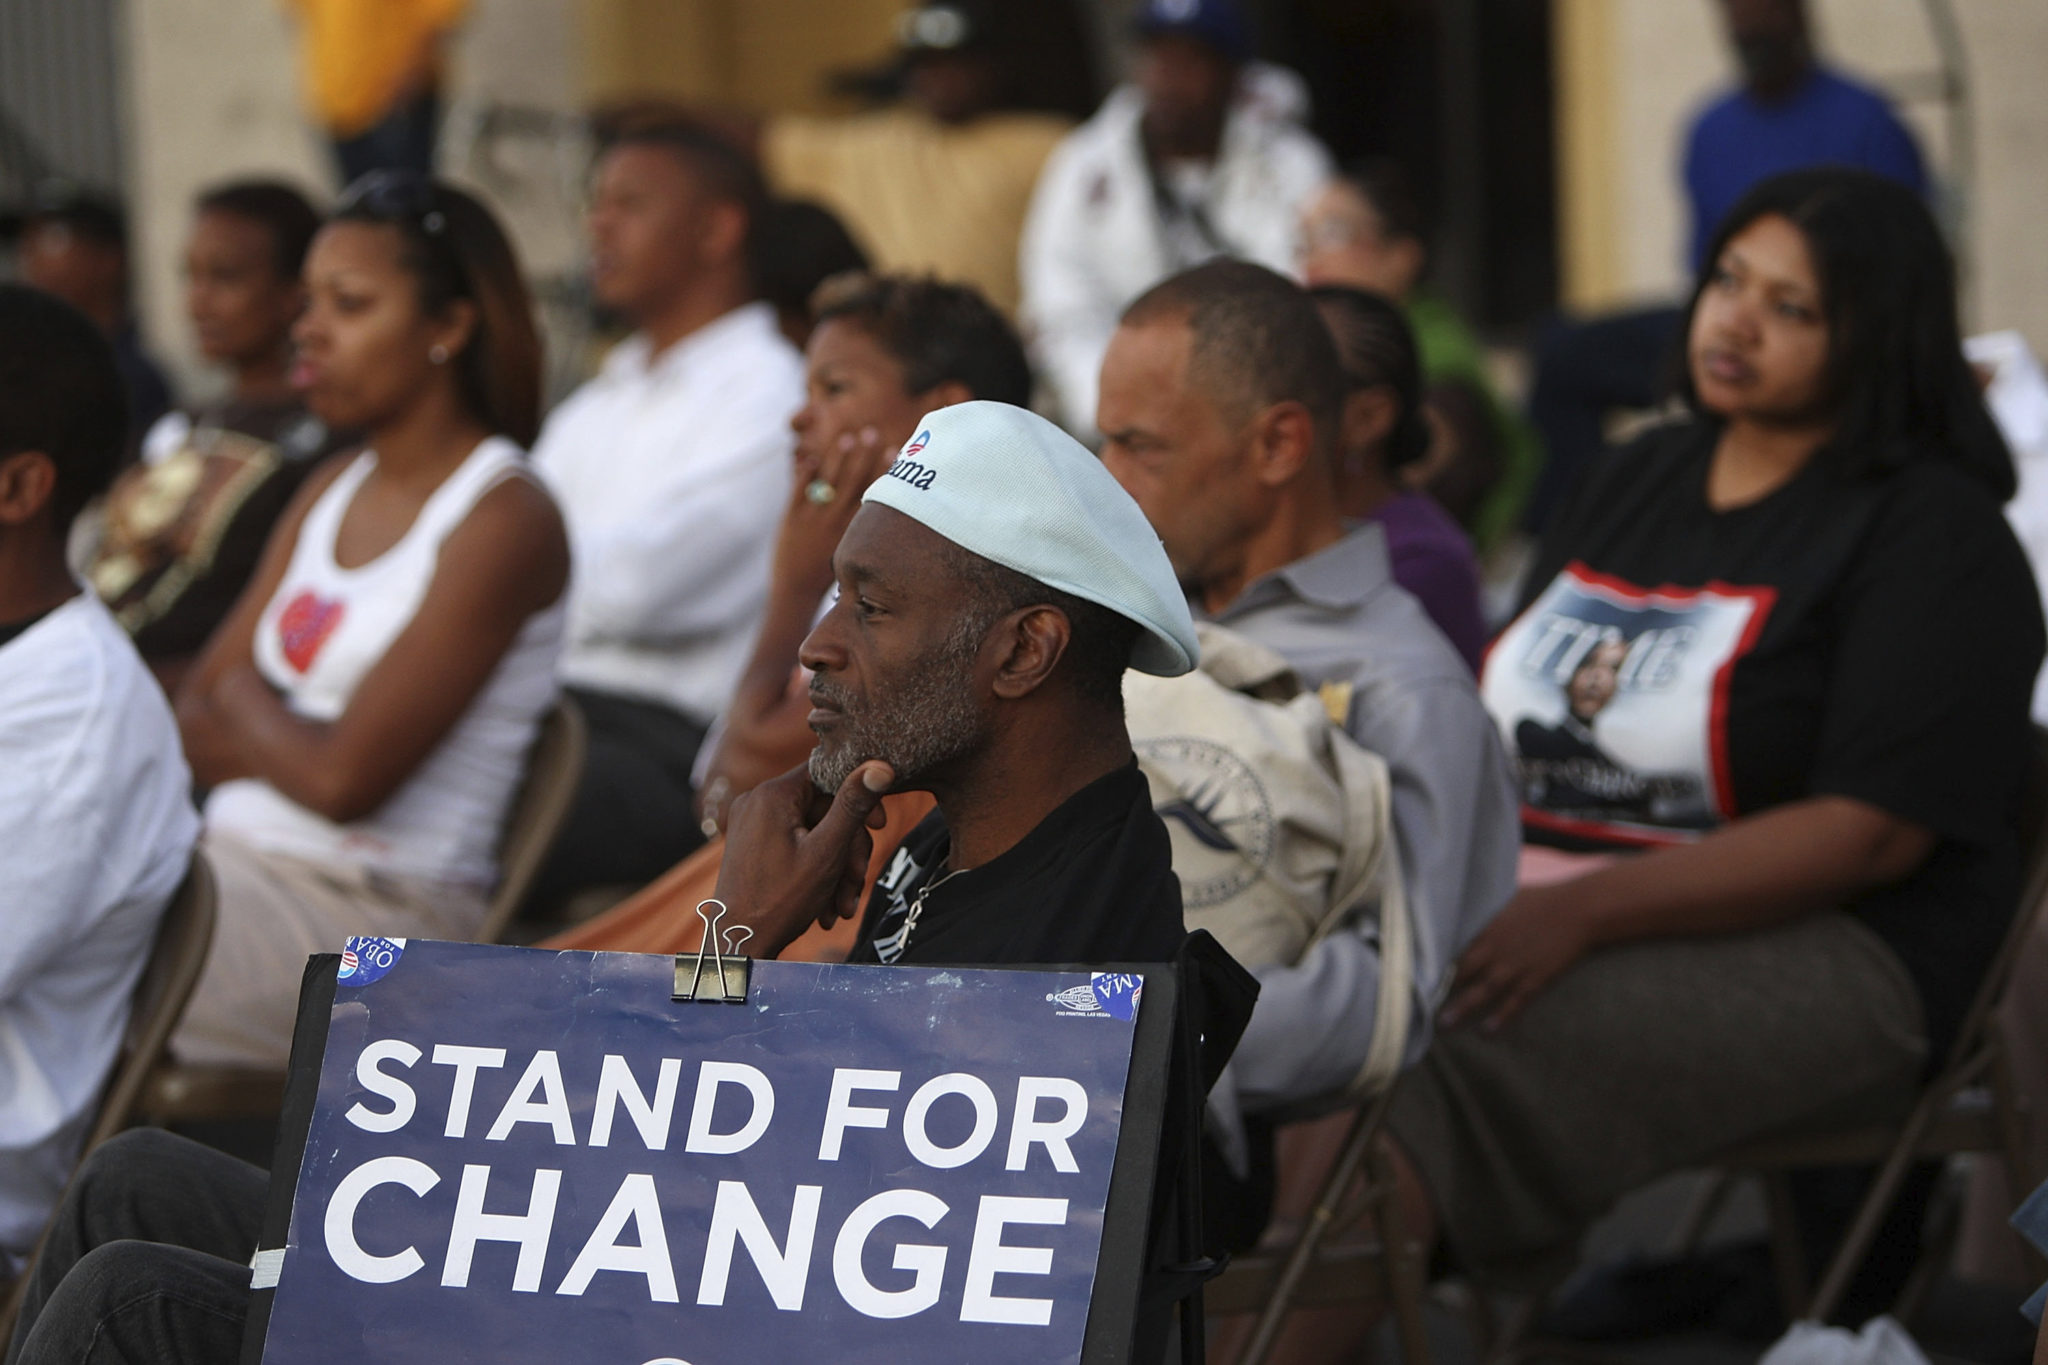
[[1789, 112]]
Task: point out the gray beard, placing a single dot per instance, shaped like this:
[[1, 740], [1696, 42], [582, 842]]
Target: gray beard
[[931, 720]]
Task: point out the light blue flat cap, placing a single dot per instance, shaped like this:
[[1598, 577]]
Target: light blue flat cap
[[1012, 487]]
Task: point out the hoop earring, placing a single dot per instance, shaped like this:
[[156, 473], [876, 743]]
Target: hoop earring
[[438, 353]]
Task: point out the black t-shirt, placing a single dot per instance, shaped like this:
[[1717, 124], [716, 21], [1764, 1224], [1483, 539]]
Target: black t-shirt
[[10, 631], [1092, 883], [1874, 638]]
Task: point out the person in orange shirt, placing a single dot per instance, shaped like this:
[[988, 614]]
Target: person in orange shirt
[[371, 71]]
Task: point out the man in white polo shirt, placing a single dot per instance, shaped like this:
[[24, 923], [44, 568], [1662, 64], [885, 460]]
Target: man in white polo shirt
[[672, 468]]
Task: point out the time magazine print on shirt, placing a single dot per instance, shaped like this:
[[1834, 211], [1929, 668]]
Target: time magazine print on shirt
[[1613, 700]]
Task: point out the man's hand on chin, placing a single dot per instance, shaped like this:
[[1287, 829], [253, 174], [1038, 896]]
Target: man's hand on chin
[[795, 856]]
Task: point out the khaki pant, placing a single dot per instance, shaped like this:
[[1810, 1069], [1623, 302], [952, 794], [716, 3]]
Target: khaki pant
[[275, 911]]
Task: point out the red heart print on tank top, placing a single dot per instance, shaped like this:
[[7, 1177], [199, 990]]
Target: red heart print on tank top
[[304, 625]]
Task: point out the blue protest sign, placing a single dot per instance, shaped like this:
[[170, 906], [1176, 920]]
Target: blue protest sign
[[528, 1155]]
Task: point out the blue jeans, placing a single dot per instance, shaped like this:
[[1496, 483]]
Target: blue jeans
[[147, 1260], [403, 140]]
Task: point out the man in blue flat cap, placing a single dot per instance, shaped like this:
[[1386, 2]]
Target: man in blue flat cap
[[992, 591]]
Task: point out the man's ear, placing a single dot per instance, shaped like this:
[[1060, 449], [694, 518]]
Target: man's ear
[[28, 481], [945, 394], [722, 234], [1034, 640], [1368, 417], [1409, 258], [1283, 441]]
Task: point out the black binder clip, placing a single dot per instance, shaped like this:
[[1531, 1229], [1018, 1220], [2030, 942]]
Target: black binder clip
[[719, 972]]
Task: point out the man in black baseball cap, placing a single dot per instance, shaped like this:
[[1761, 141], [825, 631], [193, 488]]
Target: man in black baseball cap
[[937, 181], [949, 63]]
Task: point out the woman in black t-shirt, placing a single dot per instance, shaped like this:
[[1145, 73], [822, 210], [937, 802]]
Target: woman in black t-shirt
[[1823, 634], [1815, 641]]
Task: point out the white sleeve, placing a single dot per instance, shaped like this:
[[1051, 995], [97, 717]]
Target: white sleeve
[[1454, 819], [164, 436], [1068, 312], [91, 793], [50, 872], [1309, 166], [1297, 166]]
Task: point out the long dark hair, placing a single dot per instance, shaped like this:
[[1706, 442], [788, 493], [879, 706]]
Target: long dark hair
[[455, 249], [1376, 346], [1896, 379]]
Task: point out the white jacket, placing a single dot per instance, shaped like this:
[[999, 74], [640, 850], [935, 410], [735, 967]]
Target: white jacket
[[1095, 238]]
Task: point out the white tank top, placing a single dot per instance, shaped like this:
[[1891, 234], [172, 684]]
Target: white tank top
[[327, 626]]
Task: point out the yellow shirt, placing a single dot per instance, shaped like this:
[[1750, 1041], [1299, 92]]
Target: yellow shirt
[[354, 54], [921, 196]]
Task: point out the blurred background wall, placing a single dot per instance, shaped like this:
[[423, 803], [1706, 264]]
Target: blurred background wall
[[1631, 72], [1544, 134]]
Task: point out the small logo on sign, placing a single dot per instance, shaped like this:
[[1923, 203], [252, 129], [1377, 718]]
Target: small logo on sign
[[1107, 995], [365, 959], [1080, 999]]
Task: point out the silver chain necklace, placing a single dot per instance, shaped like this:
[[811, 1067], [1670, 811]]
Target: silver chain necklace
[[917, 908]]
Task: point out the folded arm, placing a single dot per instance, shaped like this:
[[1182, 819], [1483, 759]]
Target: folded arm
[[507, 560], [1816, 854]]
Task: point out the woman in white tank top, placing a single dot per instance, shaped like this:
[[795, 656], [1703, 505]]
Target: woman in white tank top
[[363, 717]]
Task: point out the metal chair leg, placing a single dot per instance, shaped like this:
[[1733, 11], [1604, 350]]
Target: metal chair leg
[[1401, 1260], [1871, 1213], [1788, 1258], [2014, 1120], [1705, 1206], [1351, 1158], [1510, 1345]]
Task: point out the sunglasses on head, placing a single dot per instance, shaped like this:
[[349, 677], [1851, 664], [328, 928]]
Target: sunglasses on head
[[394, 196], [407, 199]]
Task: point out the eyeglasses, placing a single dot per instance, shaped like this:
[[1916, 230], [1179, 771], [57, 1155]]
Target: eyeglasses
[[394, 196], [1335, 231]]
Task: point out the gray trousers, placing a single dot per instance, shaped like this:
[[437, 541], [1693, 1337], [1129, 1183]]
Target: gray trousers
[[1650, 1058], [147, 1262]]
